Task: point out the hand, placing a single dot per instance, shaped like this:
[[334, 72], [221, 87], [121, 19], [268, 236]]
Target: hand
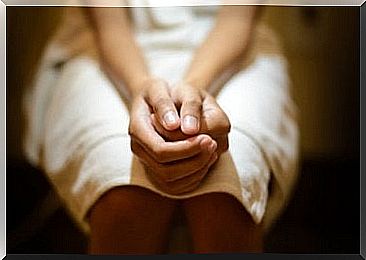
[[204, 117], [176, 166]]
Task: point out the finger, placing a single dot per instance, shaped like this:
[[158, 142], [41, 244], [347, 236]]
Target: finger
[[171, 172], [190, 111], [222, 143], [164, 152], [142, 130], [162, 104], [192, 165], [221, 140], [140, 126], [190, 182], [214, 120], [175, 135]]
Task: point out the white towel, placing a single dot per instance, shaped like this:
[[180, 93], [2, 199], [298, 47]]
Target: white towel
[[77, 124]]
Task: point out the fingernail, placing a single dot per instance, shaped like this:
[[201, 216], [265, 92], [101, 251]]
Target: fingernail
[[190, 122], [169, 118]]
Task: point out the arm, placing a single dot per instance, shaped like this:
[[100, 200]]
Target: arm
[[228, 41], [120, 54], [123, 61]]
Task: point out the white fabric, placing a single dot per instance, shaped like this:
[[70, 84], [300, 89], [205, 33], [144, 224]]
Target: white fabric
[[77, 124]]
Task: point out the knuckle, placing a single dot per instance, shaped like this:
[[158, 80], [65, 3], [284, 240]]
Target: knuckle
[[193, 104], [162, 104], [223, 126], [226, 126], [133, 129], [224, 144]]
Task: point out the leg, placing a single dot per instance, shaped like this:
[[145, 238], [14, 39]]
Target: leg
[[219, 223], [264, 137], [86, 152], [130, 220]]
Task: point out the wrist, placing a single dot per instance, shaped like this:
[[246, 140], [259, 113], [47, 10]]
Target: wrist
[[138, 86], [200, 82], [127, 88]]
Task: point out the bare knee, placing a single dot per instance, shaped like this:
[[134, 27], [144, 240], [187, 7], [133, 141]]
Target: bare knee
[[215, 208], [219, 223], [129, 220], [129, 204]]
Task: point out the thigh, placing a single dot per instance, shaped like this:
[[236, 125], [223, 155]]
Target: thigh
[[264, 137], [258, 98], [83, 109], [85, 146]]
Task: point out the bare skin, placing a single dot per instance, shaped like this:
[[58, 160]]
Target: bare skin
[[219, 224], [178, 135], [125, 221]]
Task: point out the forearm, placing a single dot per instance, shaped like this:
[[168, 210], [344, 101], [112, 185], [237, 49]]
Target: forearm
[[119, 52], [224, 45]]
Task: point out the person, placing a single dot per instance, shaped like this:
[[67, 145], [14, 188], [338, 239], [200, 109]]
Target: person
[[137, 111]]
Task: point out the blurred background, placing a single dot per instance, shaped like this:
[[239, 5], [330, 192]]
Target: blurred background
[[322, 47]]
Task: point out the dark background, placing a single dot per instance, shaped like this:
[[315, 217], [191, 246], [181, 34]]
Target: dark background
[[322, 47]]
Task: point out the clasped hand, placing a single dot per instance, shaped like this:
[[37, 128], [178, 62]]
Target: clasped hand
[[177, 133]]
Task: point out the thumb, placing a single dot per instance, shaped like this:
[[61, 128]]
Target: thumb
[[161, 102], [190, 110]]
